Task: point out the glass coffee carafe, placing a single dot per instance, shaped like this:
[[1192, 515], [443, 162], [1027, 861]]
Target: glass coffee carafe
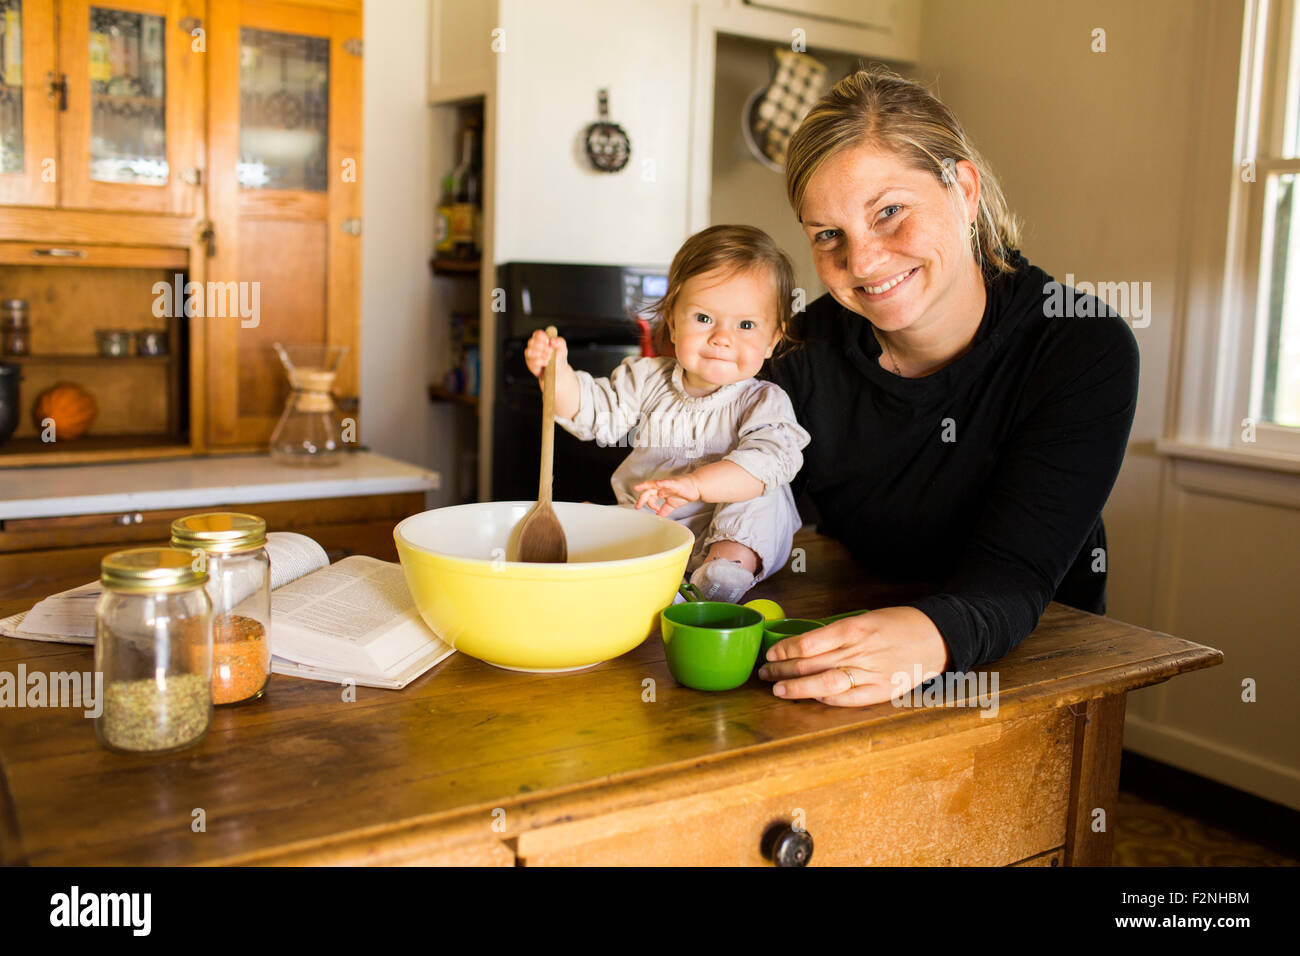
[[308, 431]]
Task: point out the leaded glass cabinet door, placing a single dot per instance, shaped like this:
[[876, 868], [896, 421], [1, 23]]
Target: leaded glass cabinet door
[[29, 103], [285, 147], [131, 136]]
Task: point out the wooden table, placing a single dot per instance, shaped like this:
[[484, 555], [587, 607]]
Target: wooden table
[[615, 764]]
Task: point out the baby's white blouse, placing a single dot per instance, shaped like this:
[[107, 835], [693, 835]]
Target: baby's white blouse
[[644, 405]]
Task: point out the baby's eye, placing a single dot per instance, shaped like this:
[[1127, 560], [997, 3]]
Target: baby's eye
[[747, 324], [701, 317]]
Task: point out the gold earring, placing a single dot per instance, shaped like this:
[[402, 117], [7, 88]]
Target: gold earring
[[972, 231]]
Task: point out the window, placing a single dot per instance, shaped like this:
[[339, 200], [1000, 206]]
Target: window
[[1259, 373]]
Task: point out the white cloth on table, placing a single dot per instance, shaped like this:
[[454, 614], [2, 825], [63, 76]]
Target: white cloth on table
[[644, 406]]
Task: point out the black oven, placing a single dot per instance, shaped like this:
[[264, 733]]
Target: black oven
[[595, 309]]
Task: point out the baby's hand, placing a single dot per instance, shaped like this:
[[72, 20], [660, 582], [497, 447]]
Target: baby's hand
[[671, 492], [538, 352]]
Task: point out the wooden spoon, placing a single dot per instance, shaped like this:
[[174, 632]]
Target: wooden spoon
[[540, 535]]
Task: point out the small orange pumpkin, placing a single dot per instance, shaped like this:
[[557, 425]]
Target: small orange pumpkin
[[69, 406]]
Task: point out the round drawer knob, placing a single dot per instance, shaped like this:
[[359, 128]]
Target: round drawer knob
[[786, 846]]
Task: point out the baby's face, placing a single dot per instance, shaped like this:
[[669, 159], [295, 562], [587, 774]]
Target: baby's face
[[724, 326]]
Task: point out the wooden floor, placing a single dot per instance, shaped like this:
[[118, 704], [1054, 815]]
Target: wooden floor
[[1167, 817]]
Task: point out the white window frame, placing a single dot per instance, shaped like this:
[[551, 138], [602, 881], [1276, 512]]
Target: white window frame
[[1219, 388]]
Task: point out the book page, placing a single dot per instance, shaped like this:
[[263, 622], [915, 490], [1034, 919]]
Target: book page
[[293, 556], [11, 626], [66, 614], [356, 616], [354, 600], [397, 677]]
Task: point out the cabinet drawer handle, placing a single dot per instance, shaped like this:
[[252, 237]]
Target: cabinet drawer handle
[[127, 519], [786, 846], [60, 253]]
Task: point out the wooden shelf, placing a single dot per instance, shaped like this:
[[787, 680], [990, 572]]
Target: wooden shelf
[[439, 394], [454, 266], [82, 359], [30, 450]]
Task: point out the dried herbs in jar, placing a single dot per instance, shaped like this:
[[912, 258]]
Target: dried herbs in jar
[[153, 644]]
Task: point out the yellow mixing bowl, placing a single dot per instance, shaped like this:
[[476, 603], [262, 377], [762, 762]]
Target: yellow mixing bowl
[[624, 567]]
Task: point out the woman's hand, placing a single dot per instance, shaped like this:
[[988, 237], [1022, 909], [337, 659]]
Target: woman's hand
[[538, 352], [883, 650], [672, 493]]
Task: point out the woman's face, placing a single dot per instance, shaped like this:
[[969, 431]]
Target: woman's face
[[891, 242]]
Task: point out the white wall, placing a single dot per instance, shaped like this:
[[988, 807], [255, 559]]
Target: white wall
[[1094, 151], [551, 205], [400, 344]]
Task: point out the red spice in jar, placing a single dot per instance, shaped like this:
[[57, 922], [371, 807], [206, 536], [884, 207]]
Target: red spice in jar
[[241, 659]]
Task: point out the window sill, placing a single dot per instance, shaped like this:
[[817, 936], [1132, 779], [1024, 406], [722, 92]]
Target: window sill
[[1263, 477], [1264, 460]]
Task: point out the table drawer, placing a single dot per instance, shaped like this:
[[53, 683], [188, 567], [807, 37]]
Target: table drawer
[[992, 795]]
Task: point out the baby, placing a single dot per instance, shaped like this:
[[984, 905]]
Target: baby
[[713, 447]]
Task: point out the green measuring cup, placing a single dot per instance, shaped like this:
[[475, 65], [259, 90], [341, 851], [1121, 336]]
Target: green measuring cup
[[774, 631], [710, 645]]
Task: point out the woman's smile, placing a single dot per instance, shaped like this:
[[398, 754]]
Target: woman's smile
[[874, 292]]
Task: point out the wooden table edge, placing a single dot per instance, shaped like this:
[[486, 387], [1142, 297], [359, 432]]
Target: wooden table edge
[[694, 776]]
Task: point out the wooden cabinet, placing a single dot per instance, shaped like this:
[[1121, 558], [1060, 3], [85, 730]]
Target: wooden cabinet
[[130, 126], [73, 290], [28, 113], [106, 111], [285, 137], [224, 137]]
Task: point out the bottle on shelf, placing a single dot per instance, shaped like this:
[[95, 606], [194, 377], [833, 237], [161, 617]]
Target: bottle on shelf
[[443, 240], [467, 196]]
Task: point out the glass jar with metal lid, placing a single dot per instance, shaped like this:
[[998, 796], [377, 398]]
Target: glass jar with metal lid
[[15, 333], [233, 547], [153, 646]]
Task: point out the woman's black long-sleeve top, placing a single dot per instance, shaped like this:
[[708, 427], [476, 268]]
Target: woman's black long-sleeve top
[[987, 477]]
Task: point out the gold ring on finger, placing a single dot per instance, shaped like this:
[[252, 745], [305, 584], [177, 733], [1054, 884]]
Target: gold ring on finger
[[852, 682]]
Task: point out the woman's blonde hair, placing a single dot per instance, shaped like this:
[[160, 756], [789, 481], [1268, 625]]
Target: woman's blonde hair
[[735, 249], [877, 107]]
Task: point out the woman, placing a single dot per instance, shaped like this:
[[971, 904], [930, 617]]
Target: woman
[[962, 431]]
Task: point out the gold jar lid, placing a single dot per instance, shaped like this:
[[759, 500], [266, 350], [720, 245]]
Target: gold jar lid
[[150, 569], [220, 531]]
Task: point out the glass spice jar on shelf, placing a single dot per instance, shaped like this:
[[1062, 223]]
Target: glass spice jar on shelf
[[232, 546], [15, 333], [153, 646]]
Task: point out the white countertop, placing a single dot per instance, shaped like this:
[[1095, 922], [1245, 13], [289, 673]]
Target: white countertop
[[197, 483]]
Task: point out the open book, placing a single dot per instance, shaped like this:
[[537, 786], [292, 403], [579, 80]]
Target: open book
[[351, 621]]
